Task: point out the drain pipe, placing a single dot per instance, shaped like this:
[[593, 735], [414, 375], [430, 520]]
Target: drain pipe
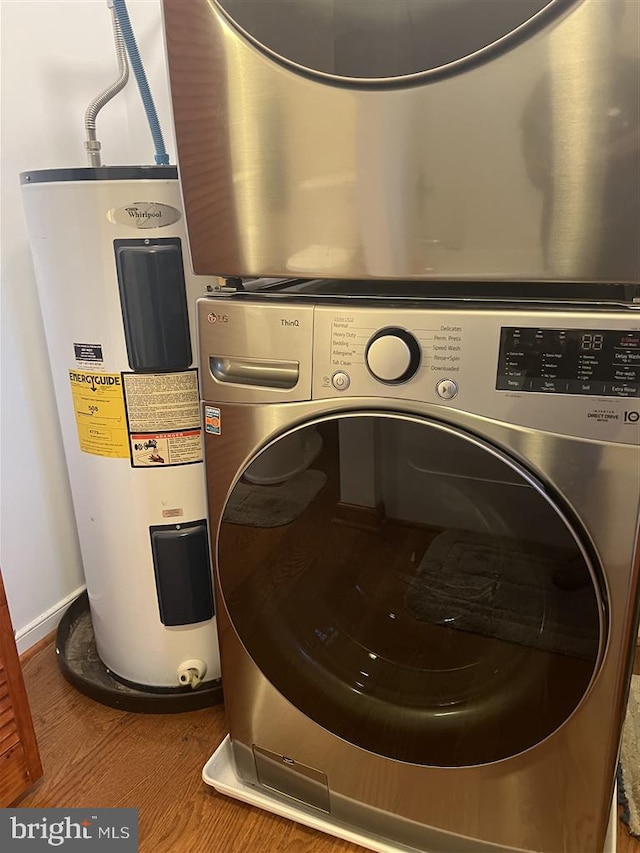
[[92, 145], [161, 156]]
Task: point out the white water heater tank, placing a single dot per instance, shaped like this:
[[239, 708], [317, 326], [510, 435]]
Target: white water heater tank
[[117, 299]]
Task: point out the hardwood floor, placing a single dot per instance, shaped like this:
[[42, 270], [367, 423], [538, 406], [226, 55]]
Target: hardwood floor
[[97, 756]]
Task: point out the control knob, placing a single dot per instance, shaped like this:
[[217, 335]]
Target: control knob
[[393, 355]]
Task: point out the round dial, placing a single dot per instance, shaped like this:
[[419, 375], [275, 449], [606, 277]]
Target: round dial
[[393, 355]]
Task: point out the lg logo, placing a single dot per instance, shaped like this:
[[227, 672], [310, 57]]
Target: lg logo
[[212, 317], [631, 417]]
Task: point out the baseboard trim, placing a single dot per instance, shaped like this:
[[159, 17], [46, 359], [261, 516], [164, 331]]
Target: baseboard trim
[[44, 624], [32, 651]]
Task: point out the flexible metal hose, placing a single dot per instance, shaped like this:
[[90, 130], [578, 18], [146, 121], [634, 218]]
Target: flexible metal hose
[[91, 144]]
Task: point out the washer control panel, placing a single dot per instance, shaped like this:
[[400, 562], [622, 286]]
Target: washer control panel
[[359, 345], [572, 372], [569, 361]]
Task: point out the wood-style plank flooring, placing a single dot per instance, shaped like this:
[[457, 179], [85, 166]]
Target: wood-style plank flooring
[[97, 756]]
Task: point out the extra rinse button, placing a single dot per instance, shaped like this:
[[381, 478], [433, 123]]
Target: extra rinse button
[[340, 380], [447, 389]]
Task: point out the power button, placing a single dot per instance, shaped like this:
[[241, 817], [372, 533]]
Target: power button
[[447, 389], [340, 380]]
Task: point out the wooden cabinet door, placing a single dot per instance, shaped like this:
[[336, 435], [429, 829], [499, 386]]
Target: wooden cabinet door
[[20, 763]]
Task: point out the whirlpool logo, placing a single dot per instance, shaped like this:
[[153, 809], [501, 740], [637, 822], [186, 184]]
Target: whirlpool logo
[[144, 214], [69, 829]]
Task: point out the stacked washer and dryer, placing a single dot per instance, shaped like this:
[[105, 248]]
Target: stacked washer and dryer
[[427, 618]]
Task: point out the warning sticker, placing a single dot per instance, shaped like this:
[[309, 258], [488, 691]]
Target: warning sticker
[[159, 402], [98, 403], [212, 422], [89, 356], [149, 450]]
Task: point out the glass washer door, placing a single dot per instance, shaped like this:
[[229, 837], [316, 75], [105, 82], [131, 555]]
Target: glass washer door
[[379, 39], [410, 590]]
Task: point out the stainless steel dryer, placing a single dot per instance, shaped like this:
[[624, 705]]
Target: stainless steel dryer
[[426, 606], [409, 139]]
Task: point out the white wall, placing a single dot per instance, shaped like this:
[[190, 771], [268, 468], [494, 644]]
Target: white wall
[[56, 56]]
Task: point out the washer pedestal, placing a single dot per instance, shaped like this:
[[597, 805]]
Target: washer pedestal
[[220, 774]]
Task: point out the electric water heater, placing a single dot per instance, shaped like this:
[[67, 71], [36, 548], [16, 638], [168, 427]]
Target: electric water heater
[[117, 301]]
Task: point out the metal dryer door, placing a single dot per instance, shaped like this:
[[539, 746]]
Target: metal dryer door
[[411, 589], [382, 40]]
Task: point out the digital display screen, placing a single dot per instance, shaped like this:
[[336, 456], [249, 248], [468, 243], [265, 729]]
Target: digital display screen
[[569, 361]]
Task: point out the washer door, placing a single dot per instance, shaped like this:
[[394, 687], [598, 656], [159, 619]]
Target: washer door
[[414, 591], [381, 39]]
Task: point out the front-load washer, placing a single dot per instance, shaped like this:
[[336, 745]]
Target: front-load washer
[[409, 139], [428, 632]]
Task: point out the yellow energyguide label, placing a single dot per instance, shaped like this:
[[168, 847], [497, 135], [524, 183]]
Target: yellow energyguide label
[[98, 403]]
